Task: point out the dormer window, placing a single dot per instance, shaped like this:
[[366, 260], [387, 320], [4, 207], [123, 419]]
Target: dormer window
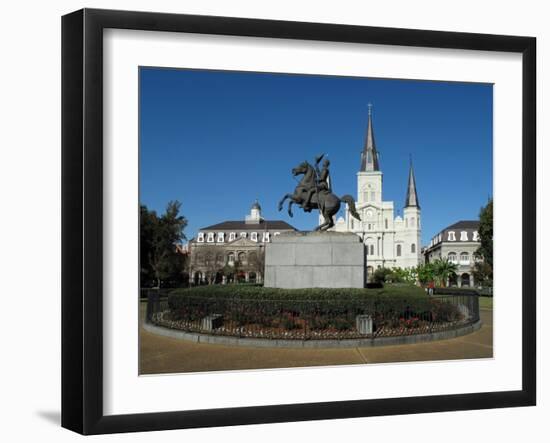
[[221, 237], [254, 236], [463, 236], [451, 236], [476, 236], [266, 237], [243, 234], [210, 237], [232, 236], [200, 237], [276, 233]]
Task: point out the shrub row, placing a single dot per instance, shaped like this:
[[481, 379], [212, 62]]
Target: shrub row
[[237, 291], [317, 307]]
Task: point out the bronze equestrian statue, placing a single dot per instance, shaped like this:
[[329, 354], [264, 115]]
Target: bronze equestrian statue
[[315, 192]]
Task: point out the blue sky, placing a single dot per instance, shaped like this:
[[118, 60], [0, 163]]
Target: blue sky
[[217, 140]]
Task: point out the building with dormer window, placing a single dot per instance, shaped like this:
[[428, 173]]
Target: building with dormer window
[[238, 245], [390, 241], [457, 243]]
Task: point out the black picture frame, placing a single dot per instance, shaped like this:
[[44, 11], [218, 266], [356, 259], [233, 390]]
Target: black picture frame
[[82, 219]]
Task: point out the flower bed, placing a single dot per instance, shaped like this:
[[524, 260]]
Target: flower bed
[[301, 333], [309, 314]]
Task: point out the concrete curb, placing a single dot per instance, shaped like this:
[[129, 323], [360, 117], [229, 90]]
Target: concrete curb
[[350, 343]]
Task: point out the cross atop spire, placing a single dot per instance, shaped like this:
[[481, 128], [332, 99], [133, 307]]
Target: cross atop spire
[[369, 156], [412, 196]]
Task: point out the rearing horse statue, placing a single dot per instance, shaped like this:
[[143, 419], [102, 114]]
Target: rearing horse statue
[[325, 201]]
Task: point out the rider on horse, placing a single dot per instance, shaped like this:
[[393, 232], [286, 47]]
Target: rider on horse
[[323, 183], [315, 181]]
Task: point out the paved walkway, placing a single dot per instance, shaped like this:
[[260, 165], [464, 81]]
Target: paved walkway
[[168, 355]]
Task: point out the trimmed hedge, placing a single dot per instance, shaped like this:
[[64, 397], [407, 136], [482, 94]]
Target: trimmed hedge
[[249, 292], [319, 308]]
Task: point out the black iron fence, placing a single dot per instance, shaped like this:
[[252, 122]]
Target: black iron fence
[[311, 319]]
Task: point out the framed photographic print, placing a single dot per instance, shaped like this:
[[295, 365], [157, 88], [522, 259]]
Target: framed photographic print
[[268, 221]]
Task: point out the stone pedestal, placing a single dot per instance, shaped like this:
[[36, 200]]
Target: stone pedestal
[[211, 322], [363, 324], [315, 260]]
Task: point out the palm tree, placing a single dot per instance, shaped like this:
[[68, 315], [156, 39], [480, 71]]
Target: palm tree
[[443, 269]]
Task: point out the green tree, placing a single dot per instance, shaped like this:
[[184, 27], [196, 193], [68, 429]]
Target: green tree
[[443, 269], [159, 236], [395, 275], [382, 275], [483, 268], [256, 263], [232, 271], [212, 262], [485, 250], [403, 275], [146, 233], [426, 273], [483, 273]]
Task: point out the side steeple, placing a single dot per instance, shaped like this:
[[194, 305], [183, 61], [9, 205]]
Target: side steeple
[[412, 196], [369, 155]]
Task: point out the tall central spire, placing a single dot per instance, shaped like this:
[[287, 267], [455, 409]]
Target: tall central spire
[[369, 156], [412, 196]]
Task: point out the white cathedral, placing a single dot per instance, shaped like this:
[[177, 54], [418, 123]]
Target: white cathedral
[[389, 241]]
